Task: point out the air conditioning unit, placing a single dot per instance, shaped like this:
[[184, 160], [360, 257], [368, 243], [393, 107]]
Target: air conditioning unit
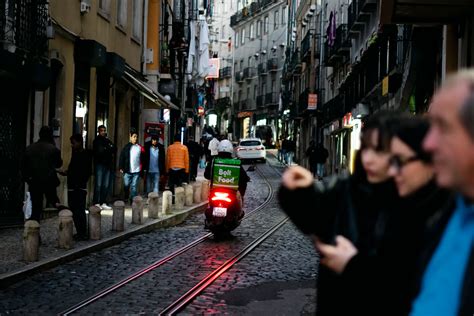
[[85, 7]]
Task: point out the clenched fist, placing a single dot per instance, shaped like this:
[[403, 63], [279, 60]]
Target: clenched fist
[[296, 178]]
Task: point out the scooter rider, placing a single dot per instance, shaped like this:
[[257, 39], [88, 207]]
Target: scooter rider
[[225, 150]]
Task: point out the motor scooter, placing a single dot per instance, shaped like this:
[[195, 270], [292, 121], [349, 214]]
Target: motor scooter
[[224, 212]]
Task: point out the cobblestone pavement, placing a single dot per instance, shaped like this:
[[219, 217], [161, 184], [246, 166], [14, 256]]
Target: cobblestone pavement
[[283, 264]]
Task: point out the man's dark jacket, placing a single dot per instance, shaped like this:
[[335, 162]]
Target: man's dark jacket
[[79, 170], [40, 162], [103, 150]]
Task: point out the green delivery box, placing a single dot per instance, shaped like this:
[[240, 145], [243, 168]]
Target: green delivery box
[[226, 173]]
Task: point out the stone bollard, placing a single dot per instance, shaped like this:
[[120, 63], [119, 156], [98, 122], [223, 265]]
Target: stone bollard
[[118, 216], [31, 240], [94, 222], [137, 210], [65, 229], [153, 202], [167, 202], [188, 192], [179, 198], [205, 190], [197, 191]]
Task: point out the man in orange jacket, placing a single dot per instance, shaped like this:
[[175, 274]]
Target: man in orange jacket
[[177, 163]]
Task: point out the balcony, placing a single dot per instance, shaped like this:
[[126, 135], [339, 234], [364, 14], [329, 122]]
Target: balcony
[[272, 64], [239, 76], [250, 73], [23, 28], [340, 48], [359, 14], [306, 47], [249, 11], [271, 98], [225, 72], [262, 69], [247, 104], [260, 101], [223, 102], [295, 64]]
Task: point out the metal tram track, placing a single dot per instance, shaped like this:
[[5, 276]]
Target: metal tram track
[[97, 296], [189, 296]]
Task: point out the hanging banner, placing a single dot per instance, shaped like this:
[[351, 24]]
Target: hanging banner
[[213, 68]]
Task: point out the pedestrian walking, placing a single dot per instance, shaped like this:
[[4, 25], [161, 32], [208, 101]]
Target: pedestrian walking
[[153, 163], [195, 153], [130, 165], [348, 205], [104, 152], [311, 154], [213, 146], [78, 174], [321, 156], [177, 163], [39, 171]]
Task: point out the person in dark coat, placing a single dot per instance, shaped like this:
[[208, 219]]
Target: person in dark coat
[[39, 171], [78, 174], [311, 154], [391, 272], [352, 206], [195, 153], [104, 152], [154, 163]]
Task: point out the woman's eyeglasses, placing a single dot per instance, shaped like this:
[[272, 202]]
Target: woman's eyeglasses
[[398, 162]]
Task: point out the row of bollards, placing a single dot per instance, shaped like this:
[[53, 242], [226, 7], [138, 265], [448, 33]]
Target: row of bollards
[[184, 196]]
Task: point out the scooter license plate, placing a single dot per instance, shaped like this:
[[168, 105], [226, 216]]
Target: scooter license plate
[[219, 211]]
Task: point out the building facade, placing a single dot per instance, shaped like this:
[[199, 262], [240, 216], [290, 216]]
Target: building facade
[[260, 40]]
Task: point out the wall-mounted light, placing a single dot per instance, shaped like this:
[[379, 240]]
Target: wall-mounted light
[[264, 52]]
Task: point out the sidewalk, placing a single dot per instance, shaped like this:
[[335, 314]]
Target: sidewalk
[[13, 268]]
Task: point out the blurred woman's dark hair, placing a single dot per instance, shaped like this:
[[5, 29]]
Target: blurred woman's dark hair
[[412, 132], [384, 123]]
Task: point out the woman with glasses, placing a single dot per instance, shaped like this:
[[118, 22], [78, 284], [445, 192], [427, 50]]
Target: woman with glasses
[[392, 271], [345, 205]]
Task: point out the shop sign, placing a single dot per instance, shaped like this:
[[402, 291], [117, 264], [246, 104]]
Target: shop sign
[[244, 114], [189, 122], [347, 119], [312, 101]]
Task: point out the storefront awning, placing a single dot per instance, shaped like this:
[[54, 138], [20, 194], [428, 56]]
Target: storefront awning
[[146, 91]]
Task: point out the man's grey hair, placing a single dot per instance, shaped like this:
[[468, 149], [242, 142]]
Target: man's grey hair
[[466, 113]]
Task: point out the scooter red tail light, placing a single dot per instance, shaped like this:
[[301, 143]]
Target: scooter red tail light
[[221, 196]]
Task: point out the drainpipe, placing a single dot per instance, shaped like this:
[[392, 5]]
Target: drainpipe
[[145, 34], [321, 58]]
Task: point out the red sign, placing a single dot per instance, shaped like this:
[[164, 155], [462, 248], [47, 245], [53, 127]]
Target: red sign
[[200, 111], [154, 129], [312, 101]]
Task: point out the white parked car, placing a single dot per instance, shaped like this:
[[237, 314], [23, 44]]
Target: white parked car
[[251, 149]]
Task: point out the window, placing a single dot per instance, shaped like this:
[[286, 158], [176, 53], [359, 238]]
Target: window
[[252, 35], [259, 28], [137, 19], [255, 91], [237, 39], [265, 25], [223, 32], [104, 7], [241, 65], [250, 61], [283, 15], [276, 19], [242, 36], [122, 13]]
